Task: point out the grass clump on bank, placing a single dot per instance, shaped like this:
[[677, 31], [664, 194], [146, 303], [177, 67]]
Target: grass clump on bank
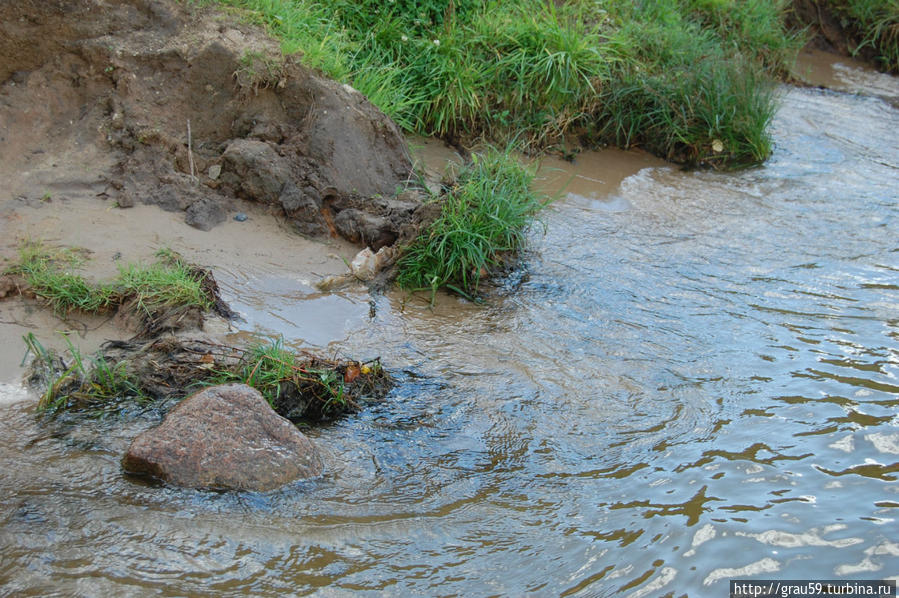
[[674, 76], [51, 274], [484, 218], [686, 98], [876, 23]]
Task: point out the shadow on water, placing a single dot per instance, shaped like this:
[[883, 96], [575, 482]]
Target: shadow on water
[[694, 380]]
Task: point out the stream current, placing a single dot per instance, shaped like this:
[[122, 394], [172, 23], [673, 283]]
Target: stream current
[[691, 378]]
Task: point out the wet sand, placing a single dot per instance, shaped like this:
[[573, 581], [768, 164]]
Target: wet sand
[[115, 236]]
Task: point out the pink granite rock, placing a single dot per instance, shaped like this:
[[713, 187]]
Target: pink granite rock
[[224, 437]]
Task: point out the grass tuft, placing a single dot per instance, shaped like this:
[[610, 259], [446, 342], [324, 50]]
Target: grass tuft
[[877, 22], [484, 217], [94, 383], [296, 386], [309, 387], [167, 283], [51, 275]]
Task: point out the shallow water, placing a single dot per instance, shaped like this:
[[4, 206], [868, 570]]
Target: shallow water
[[692, 378]]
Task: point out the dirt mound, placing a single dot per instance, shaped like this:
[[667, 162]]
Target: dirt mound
[[150, 101]]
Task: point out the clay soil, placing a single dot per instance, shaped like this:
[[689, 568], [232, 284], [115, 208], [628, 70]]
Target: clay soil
[[131, 125]]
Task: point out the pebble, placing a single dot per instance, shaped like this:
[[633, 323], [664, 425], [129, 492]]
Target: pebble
[[240, 216]]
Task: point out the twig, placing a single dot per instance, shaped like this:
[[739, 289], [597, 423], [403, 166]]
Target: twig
[[190, 156]]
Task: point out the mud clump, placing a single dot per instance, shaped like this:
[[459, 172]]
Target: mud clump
[[155, 102]]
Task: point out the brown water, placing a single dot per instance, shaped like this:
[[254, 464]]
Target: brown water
[[692, 378]]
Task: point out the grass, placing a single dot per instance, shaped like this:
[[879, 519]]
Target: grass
[[83, 383], [168, 282], [483, 218], [694, 90], [295, 386], [753, 28], [258, 71], [544, 72], [877, 24], [51, 274]]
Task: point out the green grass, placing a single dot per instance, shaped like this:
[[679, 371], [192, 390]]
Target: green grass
[[52, 275], [84, 383], [274, 372], [309, 387], [877, 24], [267, 368], [691, 92], [752, 28], [543, 72], [295, 386], [483, 219], [167, 283]]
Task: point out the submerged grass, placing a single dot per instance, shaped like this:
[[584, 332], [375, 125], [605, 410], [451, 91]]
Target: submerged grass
[[483, 218], [83, 383], [666, 75]]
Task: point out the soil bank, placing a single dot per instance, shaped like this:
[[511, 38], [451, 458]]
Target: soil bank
[[110, 111]]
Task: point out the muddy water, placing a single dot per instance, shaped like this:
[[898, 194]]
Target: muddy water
[[693, 378]]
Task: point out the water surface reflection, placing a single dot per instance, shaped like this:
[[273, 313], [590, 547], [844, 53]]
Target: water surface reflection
[[697, 385]]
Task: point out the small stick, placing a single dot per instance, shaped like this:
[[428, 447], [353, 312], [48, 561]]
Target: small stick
[[190, 155]]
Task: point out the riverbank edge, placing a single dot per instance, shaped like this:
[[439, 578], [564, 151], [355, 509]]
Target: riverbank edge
[[689, 81]]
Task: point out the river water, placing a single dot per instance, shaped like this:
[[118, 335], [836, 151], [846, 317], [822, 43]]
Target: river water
[[691, 378]]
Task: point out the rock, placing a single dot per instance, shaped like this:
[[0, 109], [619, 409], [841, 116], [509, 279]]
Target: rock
[[214, 171], [334, 282], [362, 227], [166, 198], [224, 437], [303, 207], [367, 264], [240, 217], [205, 214], [293, 199], [124, 201], [363, 265], [10, 284], [256, 169]]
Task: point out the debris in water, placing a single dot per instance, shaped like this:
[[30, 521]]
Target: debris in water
[[297, 385]]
